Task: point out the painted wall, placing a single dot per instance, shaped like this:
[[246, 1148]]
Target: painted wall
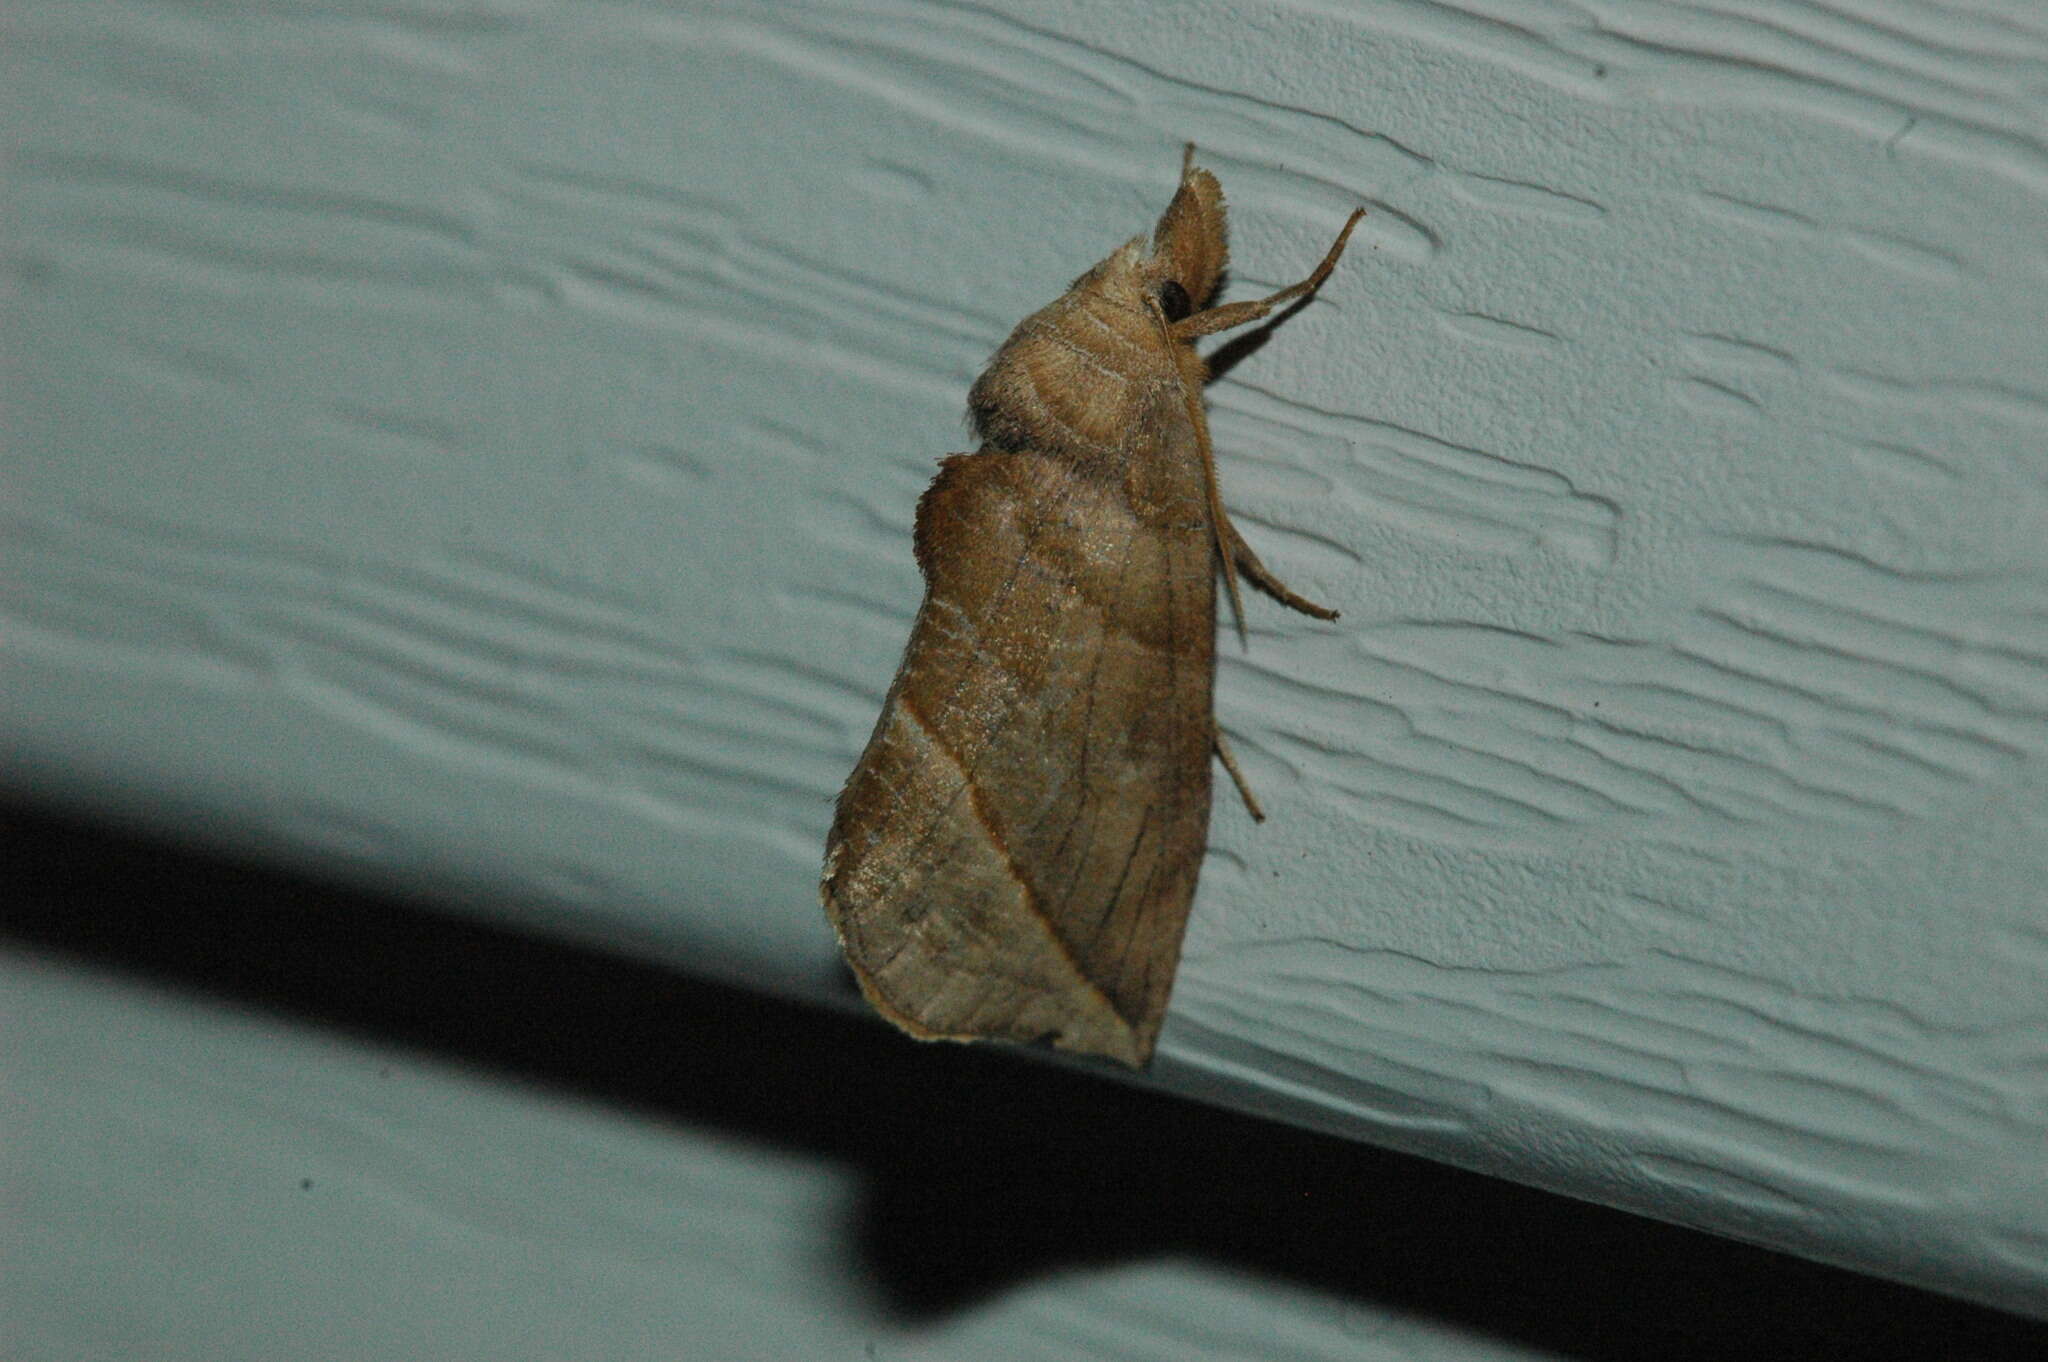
[[472, 448]]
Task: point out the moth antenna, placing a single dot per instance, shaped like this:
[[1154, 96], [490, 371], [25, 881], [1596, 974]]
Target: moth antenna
[[1227, 540]]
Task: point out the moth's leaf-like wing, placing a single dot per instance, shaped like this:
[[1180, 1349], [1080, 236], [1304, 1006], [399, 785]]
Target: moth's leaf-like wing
[[1016, 852]]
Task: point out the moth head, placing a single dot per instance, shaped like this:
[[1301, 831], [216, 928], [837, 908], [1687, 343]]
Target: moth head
[[1189, 249]]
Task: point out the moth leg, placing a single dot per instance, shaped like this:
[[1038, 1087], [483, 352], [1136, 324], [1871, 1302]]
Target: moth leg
[[1215, 319], [1244, 790], [1235, 547], [1231, 548]]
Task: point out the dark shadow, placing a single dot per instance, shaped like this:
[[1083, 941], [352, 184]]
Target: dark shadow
[[984, 1168]]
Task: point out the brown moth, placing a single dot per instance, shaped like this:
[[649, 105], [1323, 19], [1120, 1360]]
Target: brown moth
[[1016, 852]]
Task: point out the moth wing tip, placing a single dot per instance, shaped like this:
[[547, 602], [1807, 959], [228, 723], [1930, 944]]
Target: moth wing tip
[[1120, 1043]]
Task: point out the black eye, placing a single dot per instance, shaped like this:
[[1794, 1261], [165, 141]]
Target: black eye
[[1173, 300]]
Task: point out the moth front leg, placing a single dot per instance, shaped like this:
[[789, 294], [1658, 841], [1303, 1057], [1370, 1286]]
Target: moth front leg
[[1237, 314]]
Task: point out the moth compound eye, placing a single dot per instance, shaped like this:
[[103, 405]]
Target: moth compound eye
[[1173, 300]]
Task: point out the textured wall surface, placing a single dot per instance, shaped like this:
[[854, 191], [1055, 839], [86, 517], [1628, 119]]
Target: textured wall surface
[[473, 446]]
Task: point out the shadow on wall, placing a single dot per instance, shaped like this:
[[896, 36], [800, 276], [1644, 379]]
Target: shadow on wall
[[983, 1168]]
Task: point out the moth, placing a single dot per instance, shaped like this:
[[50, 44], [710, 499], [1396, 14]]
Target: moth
[[1015, 854]]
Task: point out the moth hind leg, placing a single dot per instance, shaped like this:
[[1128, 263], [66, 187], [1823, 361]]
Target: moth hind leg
[[1244, 789], [1240, 553]]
